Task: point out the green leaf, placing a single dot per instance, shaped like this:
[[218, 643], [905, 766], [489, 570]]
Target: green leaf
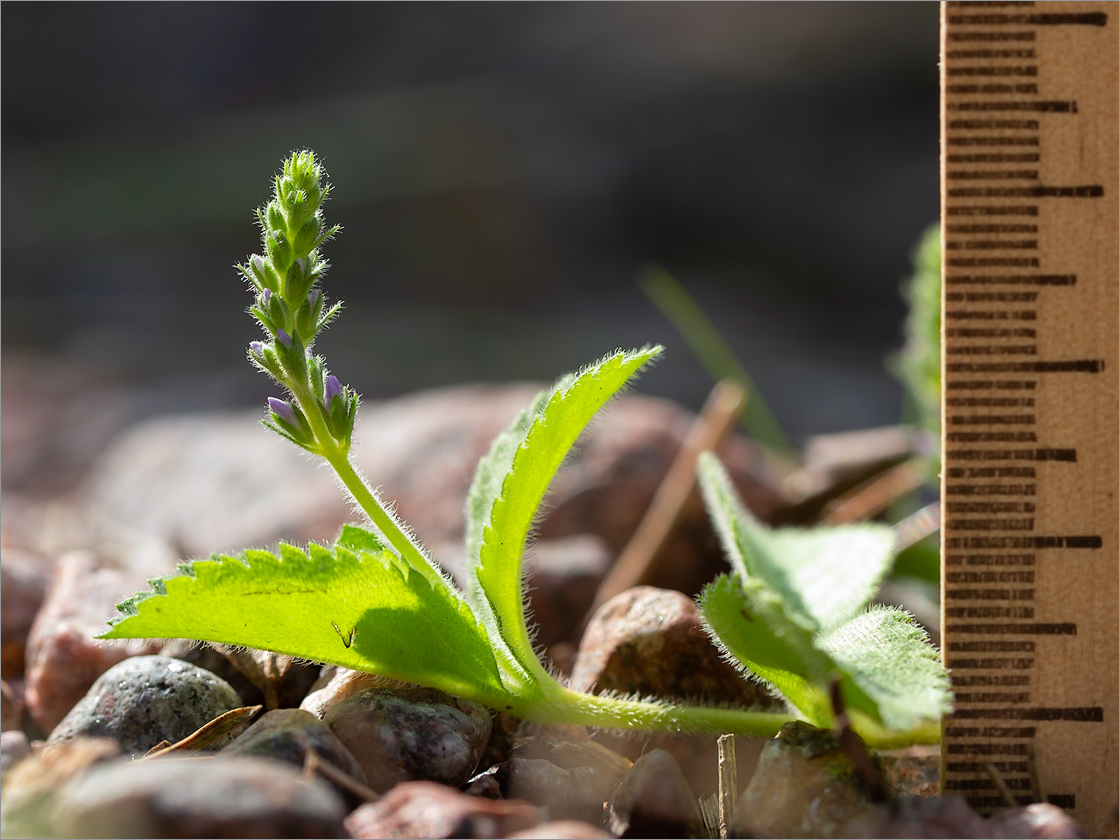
[[823, 575], [792, 614], [755, 645], [892, 672], [353, 605], [507, 492]]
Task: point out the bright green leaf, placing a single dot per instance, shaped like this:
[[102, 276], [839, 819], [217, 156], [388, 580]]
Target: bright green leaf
[[892, 672], [505, 502], [349, 606]]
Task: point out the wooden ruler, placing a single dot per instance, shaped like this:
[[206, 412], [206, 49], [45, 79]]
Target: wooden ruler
[[1029, 487]]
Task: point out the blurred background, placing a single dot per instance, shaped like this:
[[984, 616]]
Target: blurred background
[[503, 172]]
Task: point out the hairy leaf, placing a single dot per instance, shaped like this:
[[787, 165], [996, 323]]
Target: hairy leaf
[[792, 614], [512, 482], [353, 605]]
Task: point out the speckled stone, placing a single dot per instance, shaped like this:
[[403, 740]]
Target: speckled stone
[[198, 797], [402, 734], [287, 734], [431, 810], [805, 786], [653, 799], [146, 699], [651, 641], [63, 657]]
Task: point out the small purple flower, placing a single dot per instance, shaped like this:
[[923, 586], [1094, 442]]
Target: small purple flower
[[284, 338], [266, 296], [284, 411], [331, 389], [256, 348]]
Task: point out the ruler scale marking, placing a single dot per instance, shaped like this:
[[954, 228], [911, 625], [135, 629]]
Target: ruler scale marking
[[1029, 485]]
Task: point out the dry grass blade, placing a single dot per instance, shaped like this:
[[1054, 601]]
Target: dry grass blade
[[677, 493], [728, 783], [875, 495], [207, 734]]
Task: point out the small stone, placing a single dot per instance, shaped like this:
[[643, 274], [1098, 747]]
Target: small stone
[[258, 677], [572, 776], [653, 799], [920, 818], [63, 657], [198, 797], [14, 748], [915, 771], [430, 810], [410, 733], [805, 786], [335, 684], [23, 584], [1040, 821], [147, 699], [288, 734], [27, 797], [650, 641], [561, 830]]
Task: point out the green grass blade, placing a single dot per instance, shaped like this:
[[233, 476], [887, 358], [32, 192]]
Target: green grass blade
[[346, 605], [715, 355], [508, 505]]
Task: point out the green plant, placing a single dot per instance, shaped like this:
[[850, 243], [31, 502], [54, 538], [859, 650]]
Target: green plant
[[375, 602]]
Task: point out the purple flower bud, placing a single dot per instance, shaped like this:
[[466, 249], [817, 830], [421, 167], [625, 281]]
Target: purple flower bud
[[284, 411], [256, 348], [284, 338], [266, 296], [331, 389], [313, 298]]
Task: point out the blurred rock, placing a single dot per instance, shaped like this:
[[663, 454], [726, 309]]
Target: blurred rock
[[430, 810], [27, 797], [651, 642], [11, 707], [218, 482], [14, 748], [915, 771], [23, 584], [147, 699], [288, 735], [561, 830], [411, 733], [63, 657], [335, 684], [1040, 821], [653, 799], [805, 786], [198, 797]]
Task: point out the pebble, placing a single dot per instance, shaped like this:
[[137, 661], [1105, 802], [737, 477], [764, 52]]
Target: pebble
[[259, 677], [146, 699], [653, 799], [63, 657], [411, 733], [288, 735], [421, 809], [198, 797], [27, 796], [335, 684], [1040, 821], [805, 786], [651, 641], [915, 771], [23, 585], [14, 748], [561, 830]]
